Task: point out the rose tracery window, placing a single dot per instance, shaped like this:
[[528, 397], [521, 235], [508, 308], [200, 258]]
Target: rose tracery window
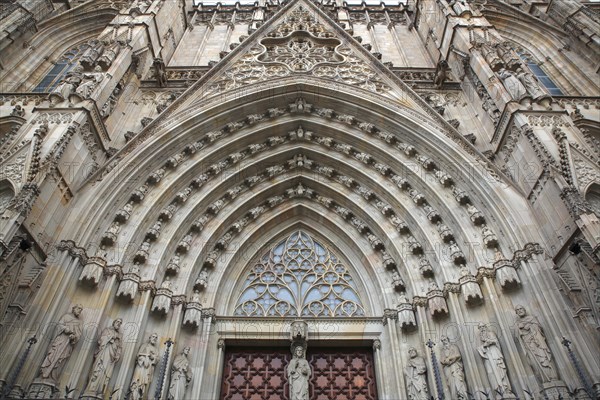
[[299, 277]]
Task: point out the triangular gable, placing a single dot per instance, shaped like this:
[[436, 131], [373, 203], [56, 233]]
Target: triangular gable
[[300, 40]]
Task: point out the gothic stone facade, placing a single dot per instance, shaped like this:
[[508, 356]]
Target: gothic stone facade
[[415, 184]]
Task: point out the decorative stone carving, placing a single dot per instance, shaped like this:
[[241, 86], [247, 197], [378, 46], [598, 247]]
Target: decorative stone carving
[[493, 359], [110, 236], [162, 299], [154, 232], [506, 274], [17, 111], [181, 375], [445, 232], [193, 311], [298, 373], [138, 195], [469, 287], [397, 281], [184, 246], [167, 213], [456, 254], [436, 302], [92, 271], [68, 332], [451, 361], [299, 331], [406, 314], [142, 253], [489, 238], [124, 213], [107, 354], [202, 280], [146, 359], [174, 264], [476, 216], [129, 284], [530, 83], [514, 87], [67, 86], [88, 84], [416, 376], [156, 176], [425, 267], [533, 340]]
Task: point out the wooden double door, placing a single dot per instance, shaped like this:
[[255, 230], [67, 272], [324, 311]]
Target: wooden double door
[[260, 374]]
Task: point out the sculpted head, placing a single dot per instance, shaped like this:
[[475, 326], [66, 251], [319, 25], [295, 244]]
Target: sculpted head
[[445, 341], [76, 310], [520, 310], [412, 352], [186, 350], [117, 324], [299, 351], [153, 338]]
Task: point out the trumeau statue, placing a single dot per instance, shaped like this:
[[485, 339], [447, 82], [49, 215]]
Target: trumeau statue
[[416, 376], [180, 375], [298, 372], [495, 367], [451, 361], [68, 333], [533, 340], [110, 349], [144, 368]]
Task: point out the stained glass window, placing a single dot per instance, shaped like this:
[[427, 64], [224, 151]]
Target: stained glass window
[[299, 277], [62, 66]]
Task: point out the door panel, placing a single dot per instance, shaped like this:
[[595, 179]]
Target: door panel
[[260, 374]]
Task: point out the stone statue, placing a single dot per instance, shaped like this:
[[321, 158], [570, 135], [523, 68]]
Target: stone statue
[[530, 83], [512, 84], [298, 372], [68, 333], [451, 361], [110, 348], [89, 84], [67, 86], [533, 340], [416, 376], [144, 368], [491, 352], [180, 375]]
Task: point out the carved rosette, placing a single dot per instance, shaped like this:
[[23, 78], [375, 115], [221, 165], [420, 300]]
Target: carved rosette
[[92, 271]]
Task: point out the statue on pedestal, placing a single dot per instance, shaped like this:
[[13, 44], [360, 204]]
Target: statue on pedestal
[[491, 352], [298, 372], [533, 340], [144, 368], [180, 375], [110, 349], [68, 333], [451, 361], [416, 376]]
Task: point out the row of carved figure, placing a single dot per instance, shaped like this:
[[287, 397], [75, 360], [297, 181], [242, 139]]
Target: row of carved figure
[[532, 338], [108, 353], [110, 348]]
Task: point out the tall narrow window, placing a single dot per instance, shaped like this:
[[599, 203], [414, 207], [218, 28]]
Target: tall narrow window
[[62, 66], [299, 277], [534, 66]]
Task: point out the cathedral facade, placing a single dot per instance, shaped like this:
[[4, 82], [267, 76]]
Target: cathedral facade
[[307, 199]]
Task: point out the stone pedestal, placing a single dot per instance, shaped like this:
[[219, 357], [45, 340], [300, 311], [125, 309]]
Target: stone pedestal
[[555, 390], [42, 389]]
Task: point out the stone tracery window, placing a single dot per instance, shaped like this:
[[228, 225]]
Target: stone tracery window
[[299, 277], [64, 64]]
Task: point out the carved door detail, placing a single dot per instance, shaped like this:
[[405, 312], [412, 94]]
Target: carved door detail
[[255, 374], [260, 374], [343, 374]]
